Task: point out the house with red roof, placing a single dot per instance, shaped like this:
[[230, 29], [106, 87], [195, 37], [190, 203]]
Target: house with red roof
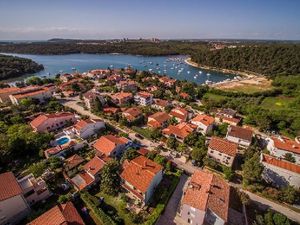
[[180, 114], [90, 173], [98, 73], [52, 122], [13, 204], [280, 145], [280, 172], [66, 77], [160, 104], [143, 98], [204, 123], [140, 177], [179, 131], [132, 114], [6, 92], [85, 128], [205, 199], [32, 92], [121, 98], [167, 81], [110, 145], [239, 135], [71, 164], [90, 98], [222, 151], [111, 110], [127, 85], [227, 116], [158, 120], [62, 214]]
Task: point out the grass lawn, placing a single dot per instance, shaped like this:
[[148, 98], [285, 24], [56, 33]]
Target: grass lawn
[[249, 89], [277, 103], [214, 97], [142, 131]]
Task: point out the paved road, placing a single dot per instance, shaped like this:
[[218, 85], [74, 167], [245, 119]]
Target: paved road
[[188, 167], [167, 218]]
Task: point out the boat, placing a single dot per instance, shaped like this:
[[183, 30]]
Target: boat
[[200, 71], [73, 68], [188, 72], [208, 74], [208, 82]]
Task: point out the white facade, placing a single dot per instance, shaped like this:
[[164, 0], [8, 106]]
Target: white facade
[[41, 96], [220, 157], [87, 131], [144, 101], [239, 141], [202, 128], [13, 210]]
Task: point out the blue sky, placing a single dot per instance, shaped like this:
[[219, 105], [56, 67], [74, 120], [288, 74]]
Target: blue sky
[[102, 19]]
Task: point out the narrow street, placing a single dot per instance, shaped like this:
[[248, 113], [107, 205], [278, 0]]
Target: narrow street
[[188, 167]]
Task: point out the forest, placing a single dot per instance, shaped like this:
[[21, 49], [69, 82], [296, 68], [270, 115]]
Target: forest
[[11, 66]]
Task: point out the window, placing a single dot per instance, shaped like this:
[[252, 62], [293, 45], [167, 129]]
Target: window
[[188, 213], [189, 220]]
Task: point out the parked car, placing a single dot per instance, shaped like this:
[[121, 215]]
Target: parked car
[[139, 136]]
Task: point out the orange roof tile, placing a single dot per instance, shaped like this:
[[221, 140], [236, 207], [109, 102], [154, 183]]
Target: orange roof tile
[[94, 165], [208, 191], [63, 214], [82, 123], [74, 160], [281, 163], [204, 119], [160, 117], [106, 144], [44, 117], [140, 172], [161, 102], [132, 113], [240, 132], [121, 95], [224, 146], [144, 94], [9, 187], [286, 144], [180, 113], [181, 130], [9, 90]]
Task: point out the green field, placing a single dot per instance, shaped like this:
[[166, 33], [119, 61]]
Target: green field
[[277, 103]]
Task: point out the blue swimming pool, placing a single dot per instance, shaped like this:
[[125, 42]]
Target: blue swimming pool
[[62, 140]]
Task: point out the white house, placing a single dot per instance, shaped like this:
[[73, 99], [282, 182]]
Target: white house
[[280, 172], [222, 150], [85, 128], [204, 123], [143, 98], [239, 135], [205, 200], [13, 205], [279, 146], [38, 93], [180, 114], [140, 177]]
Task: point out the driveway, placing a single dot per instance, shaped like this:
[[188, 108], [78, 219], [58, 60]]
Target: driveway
[[167, 218]]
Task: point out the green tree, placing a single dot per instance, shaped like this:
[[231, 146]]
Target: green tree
[[289, 157], [252, 170], [198, 154], [110, 180], [129, 154], [172, 143], [289, 194], [228, 173], [37, 168]]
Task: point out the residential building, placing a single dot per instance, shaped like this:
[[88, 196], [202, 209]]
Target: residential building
[[85, 128], [167, 81], [180, 114], [143, 98], [185, 96], [239, 135], [179, 131], [280, 145], [71, 164], [230, 113], [60, 150], [160, 104], [280, 172], [52, 122], [98, 73], [90, 173], [13, 205], [204, 123], [205, 200], [132, 114], [34, 189], [62, 214], [6, 92], [115, 78], [222, 151], [140, 177], [37, 93], [227, 116], [110, 145], [121, 98], [158, 120], [111, 110], [90, 97], [127, 85], [66, 77]]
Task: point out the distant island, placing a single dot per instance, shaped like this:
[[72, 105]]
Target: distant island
[[12, 66]]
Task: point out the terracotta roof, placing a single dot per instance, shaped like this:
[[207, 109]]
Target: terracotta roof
[[184, 95], [94, 165], [231, 120], [140, 172], [228, 112], [44, 117], [286, 144], [99, 71], [181, 130], [161, 102], [82, 123], [180, 113], [240, 132], [143, 151], [9, 90], [132, 113], [144, 94], [111, 110], [224, 146], [73, 161], [208, 191], [204, 119], [30, 93], [121, 95], [63, 214], [106, 144], [160, 117], [281, 163], [9, 187]]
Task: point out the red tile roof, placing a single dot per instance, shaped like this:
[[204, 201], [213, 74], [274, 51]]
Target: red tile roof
[[9, 90], [63, 214], [82, 123], [180, 113], [106, 144], [184, 95], [240, 132], [9, 187], [44, 117], [281, 163], [30, 93], [208, 191], [286, 144], [157, 119], [144, 94], [143, 151], [121, 95], [204, 119], [132, 113], [112, 110], [181, 130], [140, 172], [94, 165], [161, 102], [73, 161], [224, 146]]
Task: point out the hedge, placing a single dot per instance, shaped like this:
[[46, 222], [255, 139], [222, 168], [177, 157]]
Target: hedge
[[92, 203]]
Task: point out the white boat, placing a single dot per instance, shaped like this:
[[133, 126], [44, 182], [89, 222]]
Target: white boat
[[188, 72], [208, 82], [208, 74], [200, 71]]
